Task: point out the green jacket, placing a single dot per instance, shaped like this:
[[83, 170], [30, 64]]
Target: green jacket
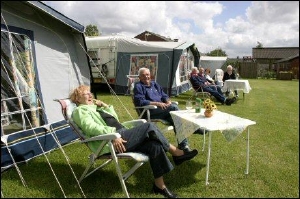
[[91, 123]]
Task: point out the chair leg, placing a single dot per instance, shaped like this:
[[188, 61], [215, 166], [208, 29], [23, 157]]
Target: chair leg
[[91, 163], [204, 135], [132, 170], [119, 172]]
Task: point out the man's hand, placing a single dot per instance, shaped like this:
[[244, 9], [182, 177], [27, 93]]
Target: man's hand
[[118, 145], [163, 105]]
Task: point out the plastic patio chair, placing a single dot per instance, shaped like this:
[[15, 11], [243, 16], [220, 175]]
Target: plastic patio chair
[[67, 108], [219, 73]]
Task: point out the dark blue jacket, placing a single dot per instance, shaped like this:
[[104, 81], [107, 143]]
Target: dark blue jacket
[[198, 81], [144, 94]]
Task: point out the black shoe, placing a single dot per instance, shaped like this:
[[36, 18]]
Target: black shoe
[[233, 100], [165, 192], [186, 156], [228, 101]]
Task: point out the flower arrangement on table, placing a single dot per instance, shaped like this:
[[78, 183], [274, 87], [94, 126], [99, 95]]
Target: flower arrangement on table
[[209, 106]]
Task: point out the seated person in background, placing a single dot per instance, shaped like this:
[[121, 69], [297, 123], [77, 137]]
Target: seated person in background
[[211, 80], [198, 79], [230, 74], [208, 77], [201, 73], [100, 118], [147, 92]]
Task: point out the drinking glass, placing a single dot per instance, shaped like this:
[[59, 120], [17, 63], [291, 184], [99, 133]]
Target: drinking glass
[[189, 105]]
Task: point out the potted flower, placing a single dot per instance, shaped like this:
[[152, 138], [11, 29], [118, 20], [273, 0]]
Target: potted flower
[[209, 106]]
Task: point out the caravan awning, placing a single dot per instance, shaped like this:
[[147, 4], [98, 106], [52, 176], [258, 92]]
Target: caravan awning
[[184, 45], [57, 15]]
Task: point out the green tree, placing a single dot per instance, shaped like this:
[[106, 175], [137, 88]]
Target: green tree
[[217, 53], [91, 30], [259, 45]]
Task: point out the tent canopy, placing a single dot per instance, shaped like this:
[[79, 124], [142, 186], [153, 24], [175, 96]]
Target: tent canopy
[[212, 62], [42, 58], [167, 61]]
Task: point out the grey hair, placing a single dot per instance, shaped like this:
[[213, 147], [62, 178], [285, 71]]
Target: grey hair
[[194, 68], [143, 69]]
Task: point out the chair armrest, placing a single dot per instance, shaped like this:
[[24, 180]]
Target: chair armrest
[[147, 107], [133, 123], [109, 136]]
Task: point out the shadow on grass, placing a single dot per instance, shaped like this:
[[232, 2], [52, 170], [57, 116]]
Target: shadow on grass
[[102, 183], [184, 174]]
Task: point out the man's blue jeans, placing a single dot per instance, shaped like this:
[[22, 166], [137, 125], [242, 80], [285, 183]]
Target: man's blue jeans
[[216, 92]]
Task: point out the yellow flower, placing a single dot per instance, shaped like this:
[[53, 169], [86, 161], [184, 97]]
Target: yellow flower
[[209, 105]]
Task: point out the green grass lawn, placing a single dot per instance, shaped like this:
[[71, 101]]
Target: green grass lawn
[[274, 156]]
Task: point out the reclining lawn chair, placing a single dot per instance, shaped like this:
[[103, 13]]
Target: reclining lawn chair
[[141, 110], [67, 109], [198, 92]]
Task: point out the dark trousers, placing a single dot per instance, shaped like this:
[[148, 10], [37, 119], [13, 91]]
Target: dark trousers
[[148, 139], [164, 114], [216, 92]]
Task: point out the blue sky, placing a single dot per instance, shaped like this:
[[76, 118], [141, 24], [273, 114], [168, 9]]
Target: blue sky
[[233, 26], [232, 9]]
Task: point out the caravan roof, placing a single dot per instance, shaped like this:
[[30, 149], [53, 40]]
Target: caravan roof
[[125, 44]]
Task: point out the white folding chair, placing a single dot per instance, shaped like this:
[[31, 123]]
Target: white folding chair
[[140, 158], [219, 73]]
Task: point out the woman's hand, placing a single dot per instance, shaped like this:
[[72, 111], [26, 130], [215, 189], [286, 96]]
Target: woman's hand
[[118, 145], [99, 103]]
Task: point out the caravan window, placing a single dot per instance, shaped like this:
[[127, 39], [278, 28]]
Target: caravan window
[[149, 61], [20, 104]]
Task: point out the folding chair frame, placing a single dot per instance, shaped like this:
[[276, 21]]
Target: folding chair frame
[[200, 93], [106, 139]]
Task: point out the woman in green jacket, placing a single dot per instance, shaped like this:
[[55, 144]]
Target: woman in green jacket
[[95, 117]]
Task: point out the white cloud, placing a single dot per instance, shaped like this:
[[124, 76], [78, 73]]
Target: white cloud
[[273, 23]]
